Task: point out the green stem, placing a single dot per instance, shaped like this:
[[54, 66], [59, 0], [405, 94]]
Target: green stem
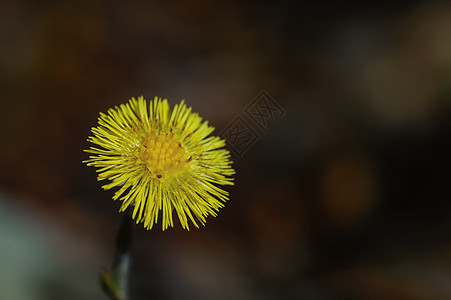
[[115, 281]]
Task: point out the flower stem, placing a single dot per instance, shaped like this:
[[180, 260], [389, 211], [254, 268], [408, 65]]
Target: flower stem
[[115, 281]]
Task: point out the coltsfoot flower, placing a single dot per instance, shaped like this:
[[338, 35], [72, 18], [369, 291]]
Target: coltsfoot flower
[[161, 159]]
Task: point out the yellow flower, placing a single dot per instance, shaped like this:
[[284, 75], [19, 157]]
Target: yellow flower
[[160, 160]]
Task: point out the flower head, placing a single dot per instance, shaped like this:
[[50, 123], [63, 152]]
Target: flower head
[[161, 159]]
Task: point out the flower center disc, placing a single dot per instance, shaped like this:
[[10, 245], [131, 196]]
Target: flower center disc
[[163, 155]]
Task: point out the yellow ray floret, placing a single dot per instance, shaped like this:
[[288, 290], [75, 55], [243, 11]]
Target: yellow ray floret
[[160, 160]]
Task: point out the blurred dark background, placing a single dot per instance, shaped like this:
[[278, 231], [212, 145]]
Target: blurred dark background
[[347, 196]]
